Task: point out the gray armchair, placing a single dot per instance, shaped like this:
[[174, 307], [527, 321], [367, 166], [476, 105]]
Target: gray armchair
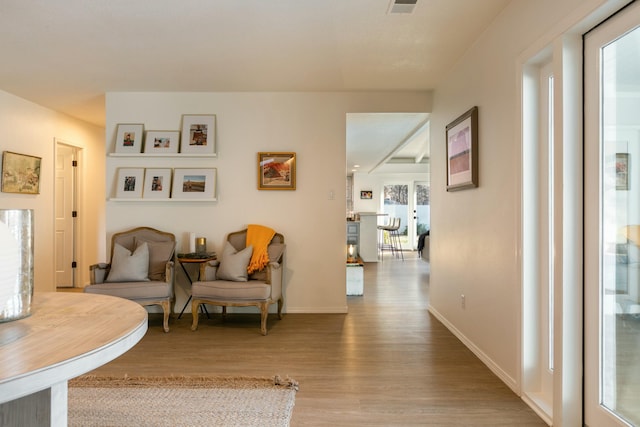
[[237, 288], [141, 269]]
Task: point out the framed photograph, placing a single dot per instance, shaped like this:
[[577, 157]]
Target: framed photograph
[[20, 173], [366, 194], [129, 138], [196, 184], [157, 183], [198, 134], [161, 142], [622, 171], [130, 181], [462, 151], [276, 171]]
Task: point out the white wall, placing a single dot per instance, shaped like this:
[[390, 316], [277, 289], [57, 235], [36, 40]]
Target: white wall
[[27, 128], [311, 124], [474, 244]]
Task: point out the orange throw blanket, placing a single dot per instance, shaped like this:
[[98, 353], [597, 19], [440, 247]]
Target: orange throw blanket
[[259, 237]]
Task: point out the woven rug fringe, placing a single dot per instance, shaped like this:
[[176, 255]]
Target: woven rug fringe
[[185, 382]]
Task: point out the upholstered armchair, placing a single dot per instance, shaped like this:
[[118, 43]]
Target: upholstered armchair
[[141, 269], [227, 283]]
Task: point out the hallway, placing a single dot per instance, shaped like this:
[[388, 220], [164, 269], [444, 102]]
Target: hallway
[[387, 362]]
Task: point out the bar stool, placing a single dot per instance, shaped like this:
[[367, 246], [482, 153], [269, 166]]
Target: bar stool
[[390, 232], [394, 235]]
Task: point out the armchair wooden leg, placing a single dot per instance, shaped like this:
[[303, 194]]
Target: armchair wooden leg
[[166, 308], [280, 304], [264, 313], [195, 306]]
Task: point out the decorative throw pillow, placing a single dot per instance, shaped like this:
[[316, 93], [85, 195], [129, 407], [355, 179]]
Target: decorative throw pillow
[[233, 265], [159, 254], [275, 251], [127, 266]]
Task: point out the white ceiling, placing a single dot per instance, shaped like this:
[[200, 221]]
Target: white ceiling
[[66, 54]]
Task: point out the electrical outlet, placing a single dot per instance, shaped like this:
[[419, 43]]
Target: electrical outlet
[[463, 301]]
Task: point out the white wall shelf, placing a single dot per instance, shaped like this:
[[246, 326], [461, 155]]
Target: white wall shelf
[[136, 200], [175, 155]]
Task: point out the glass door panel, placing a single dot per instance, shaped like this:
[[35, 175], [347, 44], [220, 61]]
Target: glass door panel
[[396, 205], [612, 222], [422, 208]]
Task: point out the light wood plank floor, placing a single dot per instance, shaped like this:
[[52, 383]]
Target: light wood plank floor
[[386, 363]]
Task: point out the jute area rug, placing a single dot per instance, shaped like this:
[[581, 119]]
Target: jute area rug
[[180, 401]]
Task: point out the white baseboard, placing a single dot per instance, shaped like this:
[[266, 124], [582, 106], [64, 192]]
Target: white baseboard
[[506, 378]]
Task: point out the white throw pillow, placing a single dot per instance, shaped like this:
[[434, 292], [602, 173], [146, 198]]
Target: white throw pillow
[[233, 265], [129, 267]]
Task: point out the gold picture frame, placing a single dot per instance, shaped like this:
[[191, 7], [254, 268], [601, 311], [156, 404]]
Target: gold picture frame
[[20, 173], [276, 171]]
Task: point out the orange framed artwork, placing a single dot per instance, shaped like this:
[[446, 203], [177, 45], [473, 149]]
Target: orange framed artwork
[[276, 171]]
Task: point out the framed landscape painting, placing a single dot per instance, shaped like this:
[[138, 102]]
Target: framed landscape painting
[[195, 184], [276, 171], [20, 173]]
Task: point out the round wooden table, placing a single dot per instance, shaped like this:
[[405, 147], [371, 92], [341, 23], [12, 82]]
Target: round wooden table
[[68, 334]]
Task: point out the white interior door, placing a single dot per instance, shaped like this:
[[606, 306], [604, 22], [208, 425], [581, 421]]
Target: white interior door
[[65, 199], [612, 221]]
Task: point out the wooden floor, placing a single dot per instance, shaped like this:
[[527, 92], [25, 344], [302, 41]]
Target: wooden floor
[[386, 363]]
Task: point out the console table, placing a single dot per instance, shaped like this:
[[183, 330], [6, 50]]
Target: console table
[[68, 334]]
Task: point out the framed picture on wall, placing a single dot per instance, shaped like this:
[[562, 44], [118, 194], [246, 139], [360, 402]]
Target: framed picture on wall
[[462, 151], [129, 183], [276, 171], [157, 183], [366, 194], [622, 171], [161, 142], [20, 173], [129, 138], [195, 184], [198, 134]]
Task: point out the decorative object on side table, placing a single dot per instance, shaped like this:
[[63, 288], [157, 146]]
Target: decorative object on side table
[[20, 173], [462, 151], [276, 171]]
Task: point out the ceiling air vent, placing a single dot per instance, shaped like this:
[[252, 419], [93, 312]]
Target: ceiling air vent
[[402, 6]]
